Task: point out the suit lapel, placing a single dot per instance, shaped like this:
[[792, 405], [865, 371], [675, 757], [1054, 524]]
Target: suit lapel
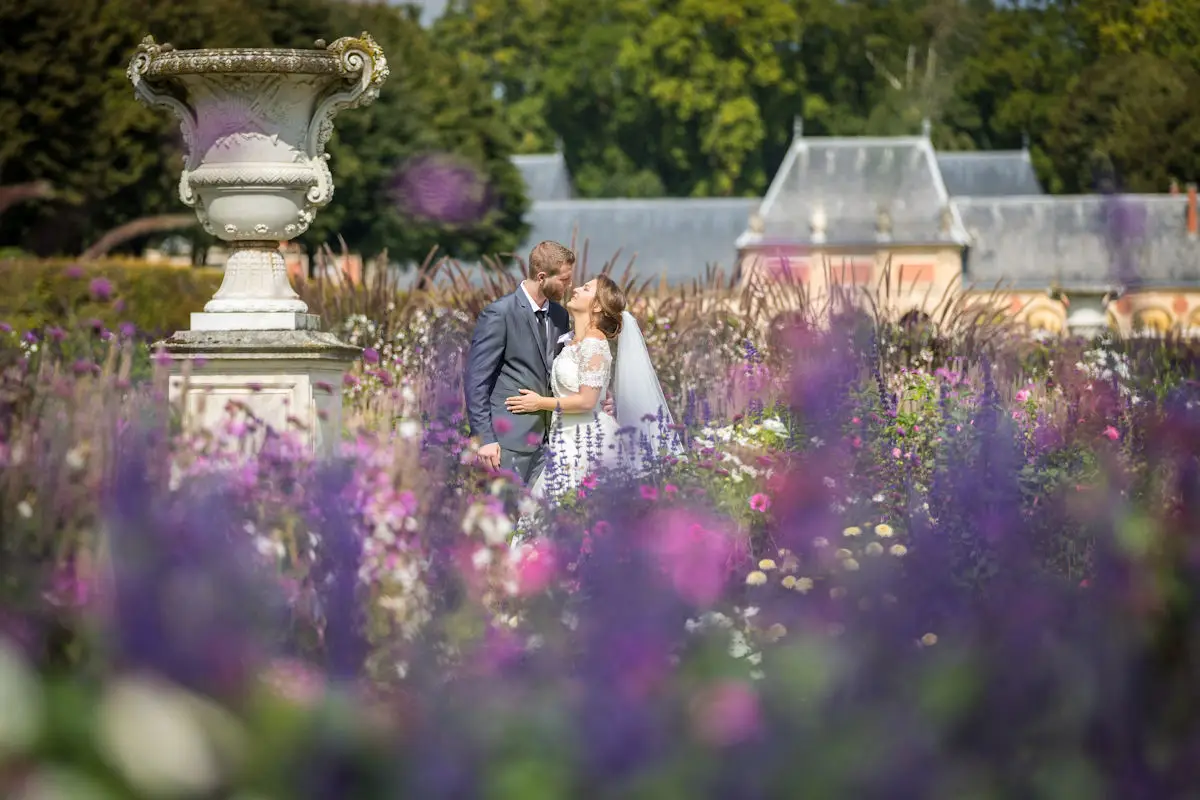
[[562, 324], [527, 309]]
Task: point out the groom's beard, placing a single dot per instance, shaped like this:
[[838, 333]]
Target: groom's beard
[[554, 293]]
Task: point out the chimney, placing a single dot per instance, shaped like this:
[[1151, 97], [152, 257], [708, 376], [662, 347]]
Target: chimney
[[1193, 224]]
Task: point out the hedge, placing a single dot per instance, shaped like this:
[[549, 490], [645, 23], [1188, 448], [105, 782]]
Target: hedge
[[157, 298]]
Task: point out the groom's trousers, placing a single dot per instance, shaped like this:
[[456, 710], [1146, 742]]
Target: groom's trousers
[[526, 465]]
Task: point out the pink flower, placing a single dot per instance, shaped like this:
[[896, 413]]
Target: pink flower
[[1022, 395], [895, 452], [671, 489], [501, 426], [535, 567], [726, 714], [589, 482], [295, 681], [1112, 433], [856, 442], [693, 556], [856, 420], [533, 439], [760, 502], [649, 492]]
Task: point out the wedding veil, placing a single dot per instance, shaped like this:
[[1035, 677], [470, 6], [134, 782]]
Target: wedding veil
[[641, 407]]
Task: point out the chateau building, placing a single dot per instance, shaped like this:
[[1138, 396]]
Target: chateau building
[[857, 210]]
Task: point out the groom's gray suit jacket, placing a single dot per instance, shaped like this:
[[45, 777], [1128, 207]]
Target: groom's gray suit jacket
[[505, 357]]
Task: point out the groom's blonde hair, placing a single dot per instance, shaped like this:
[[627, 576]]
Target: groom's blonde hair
[[548, 256]]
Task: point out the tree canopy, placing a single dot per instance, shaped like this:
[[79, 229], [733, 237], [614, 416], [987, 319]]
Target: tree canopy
[[73, 121], [644, 98]]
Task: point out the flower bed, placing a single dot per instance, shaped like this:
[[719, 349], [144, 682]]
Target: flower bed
[[880, 569]]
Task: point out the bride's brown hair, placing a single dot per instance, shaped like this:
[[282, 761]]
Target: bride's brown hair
[[611, 302]]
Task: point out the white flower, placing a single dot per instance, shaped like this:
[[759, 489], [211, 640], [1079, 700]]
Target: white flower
[[151, 733], [409, 429], [25, 509], [738, 648], [482, 557], [267, 546], [75, 459], [774, 426]]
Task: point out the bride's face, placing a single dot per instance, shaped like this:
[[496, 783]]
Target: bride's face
[[583, 298]]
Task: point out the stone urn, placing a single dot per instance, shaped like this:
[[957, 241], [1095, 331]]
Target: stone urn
[[1087, 308], [255, 124]]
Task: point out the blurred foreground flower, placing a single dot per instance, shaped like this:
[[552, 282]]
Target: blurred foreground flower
[[441, 188]]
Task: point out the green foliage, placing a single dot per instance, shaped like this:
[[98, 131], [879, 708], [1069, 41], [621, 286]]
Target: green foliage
[[73, 121], [156, 299], [429, 106]]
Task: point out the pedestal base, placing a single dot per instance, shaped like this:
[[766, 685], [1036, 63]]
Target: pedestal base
[[280, 376], [255, 321]]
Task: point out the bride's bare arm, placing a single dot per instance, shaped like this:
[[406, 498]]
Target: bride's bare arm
[[593, 378], [529, 402]]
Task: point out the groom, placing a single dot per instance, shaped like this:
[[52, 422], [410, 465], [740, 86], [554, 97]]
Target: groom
[[514, 344]]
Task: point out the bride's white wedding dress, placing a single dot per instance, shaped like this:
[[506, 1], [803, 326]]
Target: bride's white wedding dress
[[580, 442], [583, 442]]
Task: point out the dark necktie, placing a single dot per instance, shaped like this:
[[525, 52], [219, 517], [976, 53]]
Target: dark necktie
[[541, 326]]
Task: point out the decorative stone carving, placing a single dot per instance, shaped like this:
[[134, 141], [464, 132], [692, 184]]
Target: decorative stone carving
[[946, 221], [255, 123], [883, 224], [817, 224]]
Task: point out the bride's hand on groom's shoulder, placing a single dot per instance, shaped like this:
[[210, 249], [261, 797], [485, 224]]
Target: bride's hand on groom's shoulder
[[527, 402]]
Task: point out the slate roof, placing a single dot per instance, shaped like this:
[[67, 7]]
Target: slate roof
[[850, 179], [1085, 240], [998, 173], [545, 175], [673, 237]]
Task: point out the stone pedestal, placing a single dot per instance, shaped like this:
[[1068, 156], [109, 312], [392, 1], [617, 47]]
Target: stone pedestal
[[1087, 310], [289, 379]]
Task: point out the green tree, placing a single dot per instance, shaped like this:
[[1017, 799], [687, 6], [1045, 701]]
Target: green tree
[[682, 97], [430, 116], [75, 123], [711, 73], [1134, 116]]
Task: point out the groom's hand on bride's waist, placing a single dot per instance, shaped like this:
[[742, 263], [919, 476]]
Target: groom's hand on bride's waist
[[610, 407], [527, 402]]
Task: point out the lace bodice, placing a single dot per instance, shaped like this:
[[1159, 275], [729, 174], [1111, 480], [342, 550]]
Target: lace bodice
[[588, 363]]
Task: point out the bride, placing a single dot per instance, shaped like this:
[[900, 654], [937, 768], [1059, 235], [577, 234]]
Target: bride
[[583, 437]]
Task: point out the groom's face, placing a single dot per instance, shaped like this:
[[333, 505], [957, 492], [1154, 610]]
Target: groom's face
[[556, 284]]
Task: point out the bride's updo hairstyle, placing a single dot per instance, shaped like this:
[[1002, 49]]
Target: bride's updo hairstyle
[[611, 301]]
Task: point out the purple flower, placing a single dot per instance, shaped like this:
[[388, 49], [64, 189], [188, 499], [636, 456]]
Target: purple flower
[[441, 188], [370, 355], [100, 288]]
